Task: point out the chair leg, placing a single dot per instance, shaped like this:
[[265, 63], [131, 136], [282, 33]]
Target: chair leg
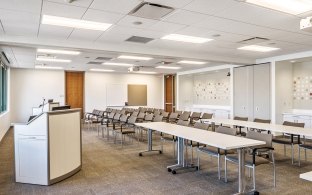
[[254, 177], [305, 154], [292, 153], [299, 160], [198, 160], [219, 167], [225, 169], [284, 150], [274, 171], [162, 145]]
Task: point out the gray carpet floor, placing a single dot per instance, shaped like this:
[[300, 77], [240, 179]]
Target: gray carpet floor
[[109, 169]]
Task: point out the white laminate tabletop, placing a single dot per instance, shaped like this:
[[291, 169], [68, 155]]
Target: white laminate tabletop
[[306, 176], [265, 126], [214, 139]]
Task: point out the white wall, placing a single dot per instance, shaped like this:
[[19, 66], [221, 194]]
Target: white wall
[[5, 119], [29, 86], [95, 88], [283, 89]]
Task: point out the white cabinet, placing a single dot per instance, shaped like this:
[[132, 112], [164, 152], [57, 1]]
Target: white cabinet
[[252, 91], [32, 161]]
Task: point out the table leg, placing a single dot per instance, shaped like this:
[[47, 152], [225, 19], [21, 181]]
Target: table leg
[[241, 170], [182, 164], [149, 143]]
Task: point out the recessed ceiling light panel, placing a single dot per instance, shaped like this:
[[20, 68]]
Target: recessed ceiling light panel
[[101, 70], [54, 51], [258, 48], [134, 57], [74, 23], [49, 67], [191, 62], [185, 38], [168, 67], [52, 60], [294, 7], [116, 64]]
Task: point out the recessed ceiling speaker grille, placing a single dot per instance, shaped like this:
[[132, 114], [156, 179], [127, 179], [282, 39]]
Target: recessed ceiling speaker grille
[[137, 39], [103, 58], [254, 40], [151, 11], [91, 62]]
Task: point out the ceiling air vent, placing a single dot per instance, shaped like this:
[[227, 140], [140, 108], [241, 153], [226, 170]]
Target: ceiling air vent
[[103, 58], [254, 40], [137, 39], [91, 62], [164, 62], [151, 11]]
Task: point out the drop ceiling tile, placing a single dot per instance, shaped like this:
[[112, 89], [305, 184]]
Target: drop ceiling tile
[[209, 7], [129, 20], [31, 6], [260, 16], [102, 16], [120, 6], [172, 3], [85, 35], [185, 17], [19, 23], [167, 27], [80, 3], [135, 32], [54, 32], [62, 10], [113, 37]]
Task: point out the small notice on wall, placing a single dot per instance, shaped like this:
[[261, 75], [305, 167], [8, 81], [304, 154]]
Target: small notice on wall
[[303, 88]]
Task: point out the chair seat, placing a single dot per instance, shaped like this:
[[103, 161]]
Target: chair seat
[[306, 146], [284, 140], [214, 151], [248, 159]]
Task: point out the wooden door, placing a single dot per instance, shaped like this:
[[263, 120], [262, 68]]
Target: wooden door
[[169, 93], [74, 89]]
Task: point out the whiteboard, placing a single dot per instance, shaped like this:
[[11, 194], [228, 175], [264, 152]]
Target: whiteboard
[[116, 94]]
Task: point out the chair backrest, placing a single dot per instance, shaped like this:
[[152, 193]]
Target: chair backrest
[[117, 116], [141, 115], [118, 111], [287, 123], [195, 115], [94, 111], [132, 119], [259, 120], [173, 117], [101, 113], [123, 111], [179, 112], [203, 126], [165, 114], [156, 112], [226, 130], [267, 138], [183, 123], [123, 118], [157, 118], [135, 113], [148, 117], [207, 116], [185, 116], [240, 118], [111, 115]]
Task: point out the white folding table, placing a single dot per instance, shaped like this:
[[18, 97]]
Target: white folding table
[[218, 140]]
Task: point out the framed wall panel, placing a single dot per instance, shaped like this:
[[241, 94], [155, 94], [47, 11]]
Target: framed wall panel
[[137, 95]]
